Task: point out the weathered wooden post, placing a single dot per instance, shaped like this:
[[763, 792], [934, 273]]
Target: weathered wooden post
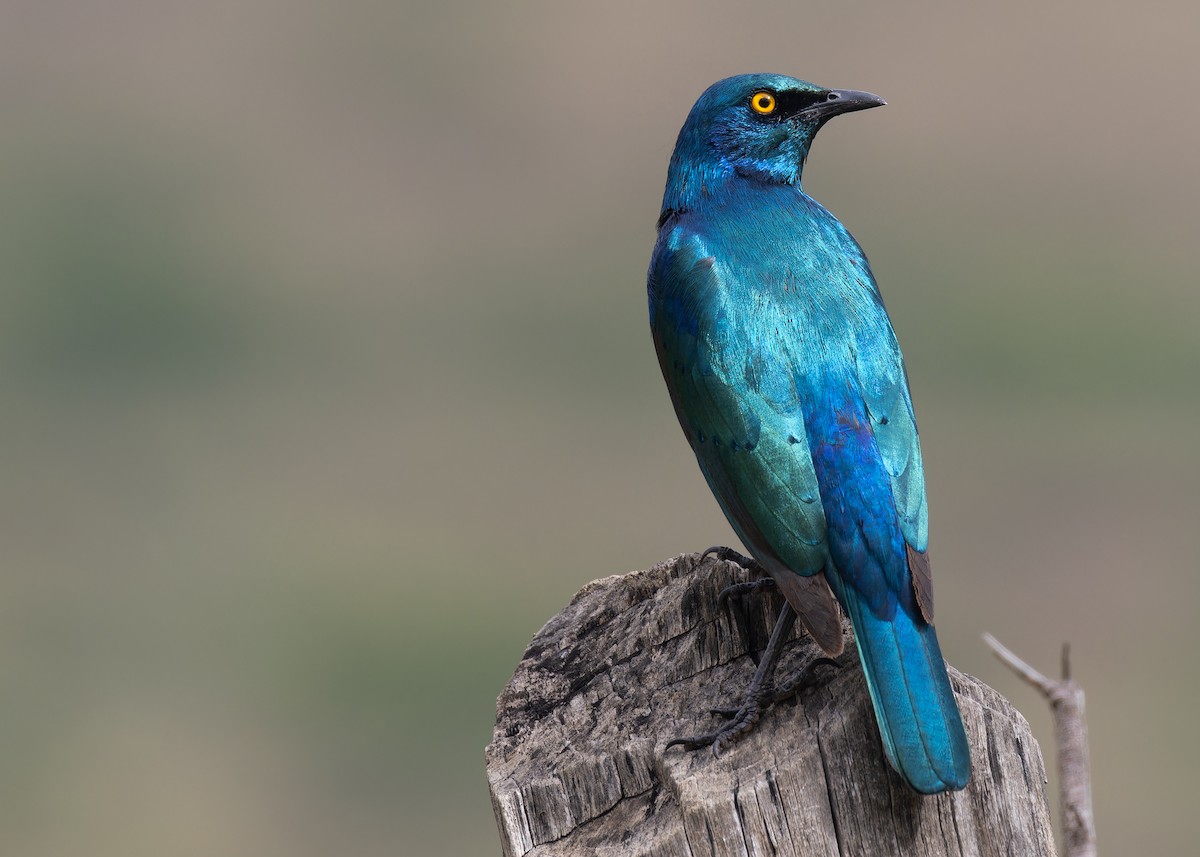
[[577, 763]]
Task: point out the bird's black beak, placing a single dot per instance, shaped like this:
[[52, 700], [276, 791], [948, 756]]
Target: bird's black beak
[[838, 101]]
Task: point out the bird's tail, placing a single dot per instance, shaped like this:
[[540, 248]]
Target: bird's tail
[[914, 706]]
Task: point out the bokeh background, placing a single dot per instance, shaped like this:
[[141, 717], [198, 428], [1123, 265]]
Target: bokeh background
[[326, 381]]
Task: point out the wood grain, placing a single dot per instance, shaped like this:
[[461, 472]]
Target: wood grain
[[577, 766]]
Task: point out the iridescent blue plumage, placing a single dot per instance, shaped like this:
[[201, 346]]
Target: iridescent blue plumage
[[790, 387]]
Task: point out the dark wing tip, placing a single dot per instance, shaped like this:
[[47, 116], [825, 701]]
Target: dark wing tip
[[814, 604], [922, 580]]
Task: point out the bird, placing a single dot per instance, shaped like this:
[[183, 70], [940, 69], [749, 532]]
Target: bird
[[789, 384]]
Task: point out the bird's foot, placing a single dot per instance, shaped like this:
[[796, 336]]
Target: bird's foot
[[747, 716], [757, 694], [749, 564], [737, 590], [728, 554], [802, 680]]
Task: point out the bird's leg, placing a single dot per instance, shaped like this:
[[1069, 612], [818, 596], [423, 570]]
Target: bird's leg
[[737, 590], [757, 694], [761, 693]]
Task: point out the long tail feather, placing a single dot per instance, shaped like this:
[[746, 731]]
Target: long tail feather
[[918, 718]]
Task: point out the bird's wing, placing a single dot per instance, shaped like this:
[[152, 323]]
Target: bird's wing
[[737, 400], [737, 404], [884, 385]]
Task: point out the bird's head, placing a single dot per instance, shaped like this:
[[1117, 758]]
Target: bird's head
[[759, 126]]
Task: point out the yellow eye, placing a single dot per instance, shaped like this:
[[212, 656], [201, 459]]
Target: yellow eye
[[762, 103]]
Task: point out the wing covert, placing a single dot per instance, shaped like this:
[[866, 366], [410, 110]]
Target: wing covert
[[737, 399]]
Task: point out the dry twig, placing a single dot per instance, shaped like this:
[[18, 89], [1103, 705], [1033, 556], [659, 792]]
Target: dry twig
[[1070, 738]]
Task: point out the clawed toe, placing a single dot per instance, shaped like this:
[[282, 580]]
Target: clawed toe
[[694, 742], [737, 590], [780, 693], [747, 716], [728, 554], [748, 564], [802, 680]]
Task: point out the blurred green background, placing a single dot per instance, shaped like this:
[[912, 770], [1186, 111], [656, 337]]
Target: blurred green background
[[327, 381]]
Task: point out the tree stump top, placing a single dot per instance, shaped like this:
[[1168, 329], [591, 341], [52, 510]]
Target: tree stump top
[[577, 764]]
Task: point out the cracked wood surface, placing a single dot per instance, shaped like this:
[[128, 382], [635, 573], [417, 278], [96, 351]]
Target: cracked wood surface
[[577, 767]]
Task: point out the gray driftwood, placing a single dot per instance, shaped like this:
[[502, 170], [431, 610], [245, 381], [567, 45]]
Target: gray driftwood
[[577, 764]]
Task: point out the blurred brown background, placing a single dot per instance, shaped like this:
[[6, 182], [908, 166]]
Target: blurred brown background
[[327, 381]]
